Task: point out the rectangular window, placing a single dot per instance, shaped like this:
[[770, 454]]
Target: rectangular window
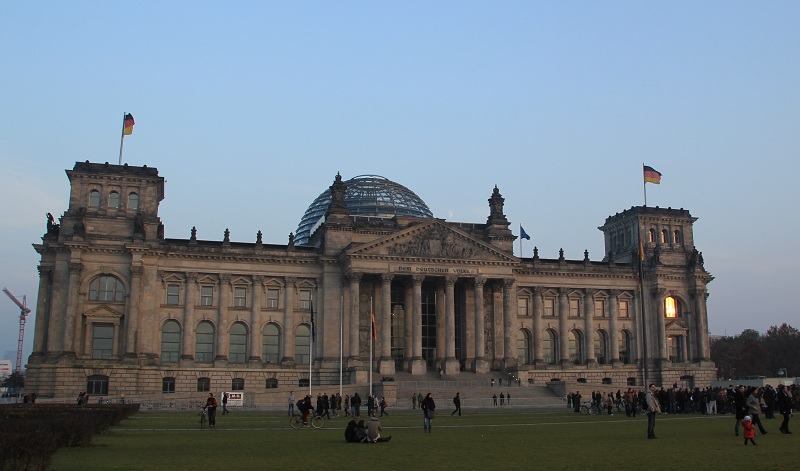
[[237, 384], [206, 295], [574, 308], [305, 299], [203, 384], [272, 298], [173, 295], [600, 308], [240, 296], [102, 340], [623, 309], [168, 385], [549, 307], [522, 306]]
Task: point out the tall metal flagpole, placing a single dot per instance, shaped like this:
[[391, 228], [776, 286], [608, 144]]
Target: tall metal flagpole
[[644, 185], [371, 342], [311, 345], [341, 342], [641, 297], [122, 137]]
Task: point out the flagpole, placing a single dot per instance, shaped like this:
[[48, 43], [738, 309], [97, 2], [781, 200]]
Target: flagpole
[[644, 185], [520, 240], [341, 342], [122, 137], [641, 297], [371, 342], [311, 345]]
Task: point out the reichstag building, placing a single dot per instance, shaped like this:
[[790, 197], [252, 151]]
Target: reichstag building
[[122, 309]]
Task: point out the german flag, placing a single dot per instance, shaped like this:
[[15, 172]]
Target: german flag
[[651, 175], [127, 127]]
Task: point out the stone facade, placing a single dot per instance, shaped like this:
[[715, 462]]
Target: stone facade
[[121, 309]]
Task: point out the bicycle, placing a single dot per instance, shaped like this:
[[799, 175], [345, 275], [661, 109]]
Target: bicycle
[[203, 419], [590, 408], [316, 421]]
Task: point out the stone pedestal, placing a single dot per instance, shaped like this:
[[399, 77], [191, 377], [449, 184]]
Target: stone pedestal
[[418, 366]]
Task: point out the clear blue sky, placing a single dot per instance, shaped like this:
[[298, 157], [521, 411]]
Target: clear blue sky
[[249, 109]]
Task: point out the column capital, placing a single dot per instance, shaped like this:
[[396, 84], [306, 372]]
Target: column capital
[[698, 292], [658, 292], [138, 270], [450, 280], [259, 279], [387, 277], [417, 279], [355, 276], [614, 293], [563, 292], [75, 268], [225, 278], [508, 282], [290, 280], [44, 270], [479, 281], [589, 292], [190, 275]]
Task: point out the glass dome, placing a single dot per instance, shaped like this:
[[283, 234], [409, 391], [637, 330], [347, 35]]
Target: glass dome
[[366, 195]]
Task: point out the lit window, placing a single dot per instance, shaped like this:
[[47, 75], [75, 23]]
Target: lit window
[[549, 307], [206, 295], [240, 296], [651, 235], [173, 294], [522, 306], [113, 200], [670, 307], [623, 309], [664, 236], [574, 308], [94, 199], [272, 298], [133, 201], [599, 308]]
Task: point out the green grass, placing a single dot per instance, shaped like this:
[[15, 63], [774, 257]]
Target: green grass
[[496, 438]]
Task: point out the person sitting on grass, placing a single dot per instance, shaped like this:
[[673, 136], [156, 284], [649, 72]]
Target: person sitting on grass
[[374, 431]]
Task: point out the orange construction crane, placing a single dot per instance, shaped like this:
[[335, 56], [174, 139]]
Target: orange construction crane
[[24, 311]]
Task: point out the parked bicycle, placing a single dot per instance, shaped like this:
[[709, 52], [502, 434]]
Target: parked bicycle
[[314, 420], [592, 408], [203, 417]]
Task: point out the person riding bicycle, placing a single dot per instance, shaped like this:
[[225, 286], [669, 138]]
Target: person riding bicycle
[[304, 406]]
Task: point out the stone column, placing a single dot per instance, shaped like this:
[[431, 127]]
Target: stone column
[[700, 296], [613, 333], [588, 325], [188, 334], [42, 312], [538, 309], [355, 325], [408, 341], [481, 365], [134, 301], [255, 358], [288, 323], [661, 334], [452, 365], [418, 366], [441, 329], [510, 359], [223, 342], [74, 319], [563, 326], [386, 364]]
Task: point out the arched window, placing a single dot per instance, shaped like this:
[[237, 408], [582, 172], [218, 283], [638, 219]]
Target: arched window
[[238, 345], [133, 201], [523, 347], [550, 346], [678, 240], [94, 199], [575, 348], [204, 345], [651, 236], [672, 307], [113, 200], [302, 344], [271, 344], [664, 236], [107, 289], [625, 347], [171, 341], [600, 347]]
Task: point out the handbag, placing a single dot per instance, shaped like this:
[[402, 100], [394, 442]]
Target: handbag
[[431, 413]]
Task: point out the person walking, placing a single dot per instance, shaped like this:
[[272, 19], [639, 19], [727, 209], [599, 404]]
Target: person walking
[[749, 431], [457, 403], [754, 409], [413, 401], [225, 403], [653, 408], [383, 404], [291, 403], [428, 411], [211, 407], [494, 399], [784, 401]]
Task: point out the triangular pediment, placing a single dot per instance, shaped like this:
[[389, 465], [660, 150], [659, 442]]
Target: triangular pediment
[[103, 312], [432, 240], [676, 326]]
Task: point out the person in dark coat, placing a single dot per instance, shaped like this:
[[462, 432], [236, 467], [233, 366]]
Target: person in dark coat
[[457, 403], [428, 408], [576, 401], [784, 402], [740, 407]]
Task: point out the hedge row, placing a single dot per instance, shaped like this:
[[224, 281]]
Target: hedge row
[[30, 434]]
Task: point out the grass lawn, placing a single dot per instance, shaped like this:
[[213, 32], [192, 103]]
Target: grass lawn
[[488, 439]]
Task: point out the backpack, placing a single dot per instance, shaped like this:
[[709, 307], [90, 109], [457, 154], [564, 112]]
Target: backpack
[[301, 405]]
